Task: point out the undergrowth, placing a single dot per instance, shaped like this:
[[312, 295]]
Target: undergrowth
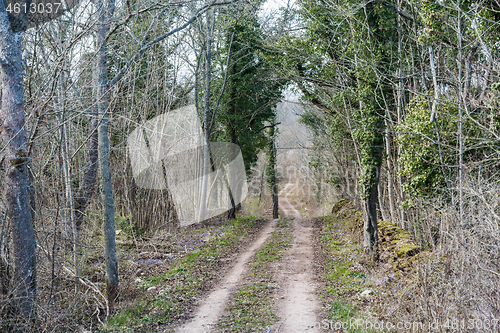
[[344, 279], [361, 295], [166, 297]]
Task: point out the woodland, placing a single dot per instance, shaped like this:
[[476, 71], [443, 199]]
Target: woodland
[[400, 97]]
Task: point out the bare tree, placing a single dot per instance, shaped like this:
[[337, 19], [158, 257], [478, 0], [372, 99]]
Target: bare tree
[[106, 11]]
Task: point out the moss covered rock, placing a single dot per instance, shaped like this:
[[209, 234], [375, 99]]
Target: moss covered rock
[[396, 239], [406, 250], [337, 207]]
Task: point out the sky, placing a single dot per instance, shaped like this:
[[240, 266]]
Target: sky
[[272, 7]]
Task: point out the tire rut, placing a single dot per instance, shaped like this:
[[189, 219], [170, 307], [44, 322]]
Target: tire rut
[[298, 303], [213, 305]]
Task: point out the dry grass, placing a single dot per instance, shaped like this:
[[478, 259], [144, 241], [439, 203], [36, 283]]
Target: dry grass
[[459, 282]]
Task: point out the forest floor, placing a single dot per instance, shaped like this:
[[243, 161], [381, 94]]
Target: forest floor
[[291, 274]]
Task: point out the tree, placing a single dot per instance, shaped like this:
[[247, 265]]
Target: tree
[[12, 28], [252, 90], [272, 175], [342, 64], [15, 161], [106, 11]]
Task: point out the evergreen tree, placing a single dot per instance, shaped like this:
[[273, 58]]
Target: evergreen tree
[[251, 93]]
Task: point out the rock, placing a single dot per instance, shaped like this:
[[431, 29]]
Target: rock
[[339, 205], [407, 250], [366, 293]]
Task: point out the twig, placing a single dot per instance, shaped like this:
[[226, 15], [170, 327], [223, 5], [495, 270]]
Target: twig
[[3, 228], [279, 327], [85, 282], [90, 285]]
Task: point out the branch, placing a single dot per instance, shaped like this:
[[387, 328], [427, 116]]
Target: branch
[[162, 37], [212, 123], [268, 126], [308, 95], [406, 16]]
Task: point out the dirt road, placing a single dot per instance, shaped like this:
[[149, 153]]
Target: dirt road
[[212, 307], [297, 301], [284, 204]]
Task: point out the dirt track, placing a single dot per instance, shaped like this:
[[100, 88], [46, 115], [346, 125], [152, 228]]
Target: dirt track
[[297, 302], [298, 306], [284, 203], [214, 304]]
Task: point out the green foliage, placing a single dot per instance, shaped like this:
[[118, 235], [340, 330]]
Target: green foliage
[[365, 58], [419, 159], [252, 91], [426, 171]]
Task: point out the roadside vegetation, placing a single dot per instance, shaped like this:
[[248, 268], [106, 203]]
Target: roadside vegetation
[[360, 295]]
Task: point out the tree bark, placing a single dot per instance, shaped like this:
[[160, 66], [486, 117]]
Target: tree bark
[[272, 169], [87, 186], [206, 116], [381, 202], [370, 216], [105, 14], [372, 150], [16, 195], [390, 173]]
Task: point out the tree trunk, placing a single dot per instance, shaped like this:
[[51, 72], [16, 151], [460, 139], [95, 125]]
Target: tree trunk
[[86, 189], [206, 117], [372, 147], [69, 220], [16, 158], [272, 170], [105, 14], [390, 173], [369, 203], [381, 202]]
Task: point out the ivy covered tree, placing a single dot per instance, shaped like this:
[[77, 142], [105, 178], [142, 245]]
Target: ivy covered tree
[[252, 90], [272, 173], [341, 64]]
